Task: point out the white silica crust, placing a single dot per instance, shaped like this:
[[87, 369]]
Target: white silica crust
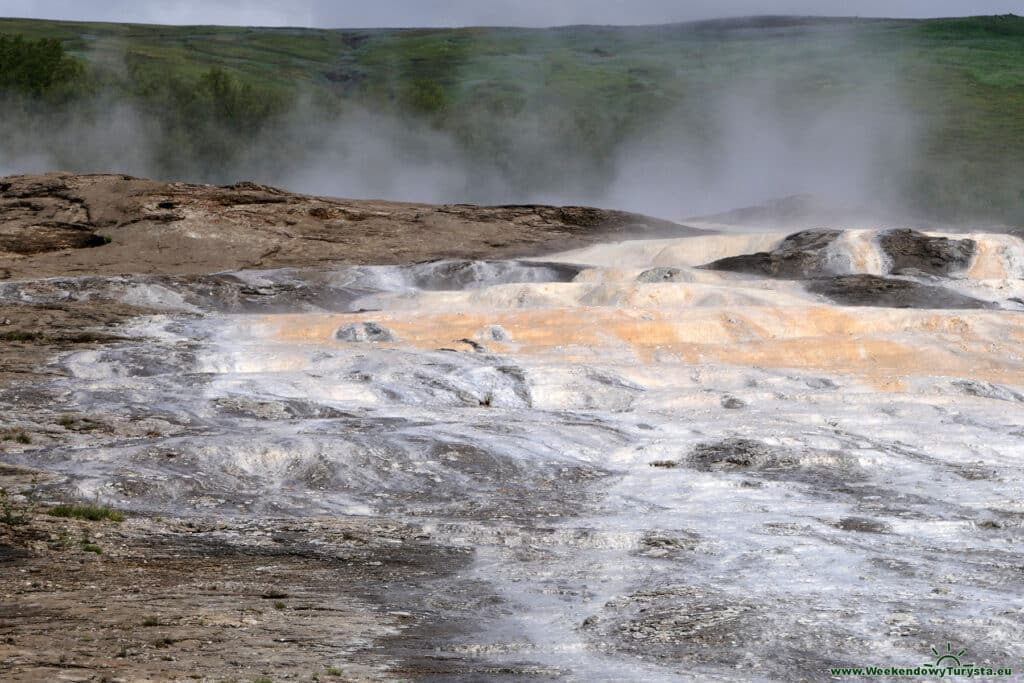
[[690, 475]]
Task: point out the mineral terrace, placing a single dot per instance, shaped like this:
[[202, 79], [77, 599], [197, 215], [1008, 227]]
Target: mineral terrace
[[378, 441]]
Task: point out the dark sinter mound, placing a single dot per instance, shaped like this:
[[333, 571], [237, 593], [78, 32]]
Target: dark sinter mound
[[462, 273], [662, 274], [802, 255], [912, 250], [799, 256], [871, 290]]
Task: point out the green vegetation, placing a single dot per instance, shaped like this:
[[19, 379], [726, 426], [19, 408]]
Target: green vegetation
[[87, 511], [92, 548], [537, 106], [15, 434], [10, 513], [204, 122], [20, 336], [36, 67], [79, 424]]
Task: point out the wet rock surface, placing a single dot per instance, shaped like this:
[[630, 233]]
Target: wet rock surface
[[988, 390], [552, 470], [681, 623], [798, 256], [922, 263], [886, 292], [662, 275], [913, 250], [364, 332], [737, 454], [269, 593]]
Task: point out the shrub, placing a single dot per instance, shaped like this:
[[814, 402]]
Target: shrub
[[20, 336], [87, 511], [425, 96], [7, 511], [19, 435], [36, 67]]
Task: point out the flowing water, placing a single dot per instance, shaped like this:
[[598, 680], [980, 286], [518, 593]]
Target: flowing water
[[665, 472]]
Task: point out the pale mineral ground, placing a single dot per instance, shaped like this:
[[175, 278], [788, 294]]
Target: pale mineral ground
[[751, 454]]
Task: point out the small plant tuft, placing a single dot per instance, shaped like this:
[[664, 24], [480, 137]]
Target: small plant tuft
[[88, 338], [333, 671], [79, 424], [7, 511], [87, 511], [92, 548], [15, 434], [20, 336]]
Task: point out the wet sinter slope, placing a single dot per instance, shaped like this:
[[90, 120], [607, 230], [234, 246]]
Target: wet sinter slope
[[721, 457]]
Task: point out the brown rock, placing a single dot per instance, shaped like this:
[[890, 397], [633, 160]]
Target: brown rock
[[64, 224]]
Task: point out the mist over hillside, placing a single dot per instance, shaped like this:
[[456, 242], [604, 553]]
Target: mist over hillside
[[910, 117]]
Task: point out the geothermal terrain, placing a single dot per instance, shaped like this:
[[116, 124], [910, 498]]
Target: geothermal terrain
[[380, 441]]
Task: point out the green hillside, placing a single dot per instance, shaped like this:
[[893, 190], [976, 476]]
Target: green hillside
[[541, 105]]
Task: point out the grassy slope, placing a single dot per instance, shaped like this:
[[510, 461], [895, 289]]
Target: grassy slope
[[963, 77]]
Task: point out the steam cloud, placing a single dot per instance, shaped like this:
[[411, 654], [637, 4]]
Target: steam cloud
[[746, 144]]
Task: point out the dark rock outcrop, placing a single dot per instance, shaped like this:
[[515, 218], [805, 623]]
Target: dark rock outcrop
[[911, 250], [799, 256], [737, 454], [662, 274], [871, 290], [364, 332]]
